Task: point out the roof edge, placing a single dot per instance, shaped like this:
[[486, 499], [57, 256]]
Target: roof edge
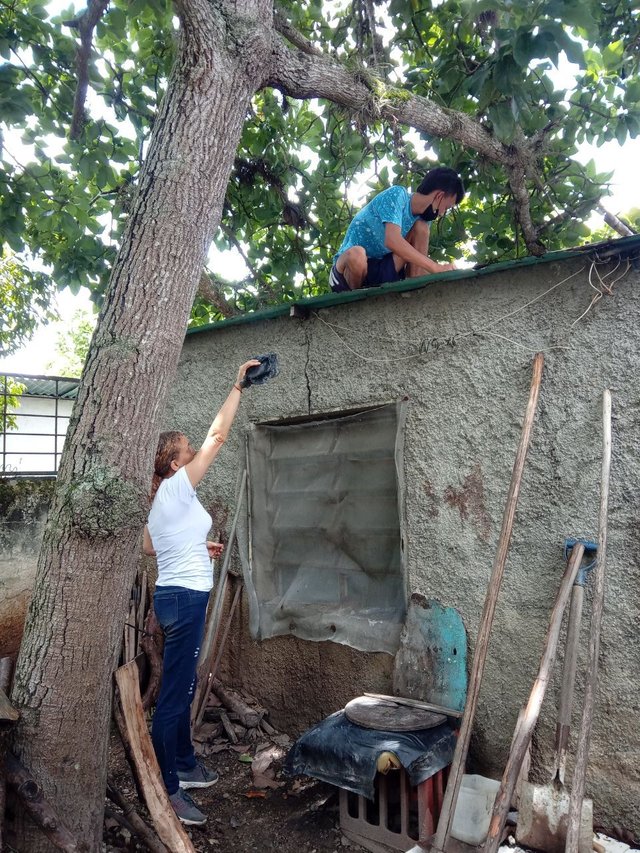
[[617, 246]]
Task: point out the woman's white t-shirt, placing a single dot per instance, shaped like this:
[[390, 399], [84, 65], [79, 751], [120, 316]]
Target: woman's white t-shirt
[[178, 525]]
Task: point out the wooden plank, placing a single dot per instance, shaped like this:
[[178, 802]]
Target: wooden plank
[[8, 713], [488, 612], [164, 818]]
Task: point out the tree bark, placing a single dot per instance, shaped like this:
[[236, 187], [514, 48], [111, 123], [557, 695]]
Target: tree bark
[[87, 562]]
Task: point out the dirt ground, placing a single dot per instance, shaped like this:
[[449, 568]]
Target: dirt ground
[[291, 816], [253, 806]]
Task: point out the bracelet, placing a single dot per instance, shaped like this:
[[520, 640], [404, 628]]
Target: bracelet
[[237, 387]]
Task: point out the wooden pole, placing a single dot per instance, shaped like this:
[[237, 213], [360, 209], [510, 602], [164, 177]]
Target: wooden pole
[[570, 666], [482, 644], [591, 681], [162, 814], [214, 667], [142, 611], [529, 716], [212, 627]]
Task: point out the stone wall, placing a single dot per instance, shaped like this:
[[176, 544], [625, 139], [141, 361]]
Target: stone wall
[[461, 351]]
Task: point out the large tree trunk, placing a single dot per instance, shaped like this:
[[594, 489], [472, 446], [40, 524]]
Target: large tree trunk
[[63, 678]]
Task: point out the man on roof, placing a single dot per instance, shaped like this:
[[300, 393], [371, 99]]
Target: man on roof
[[388, 240]]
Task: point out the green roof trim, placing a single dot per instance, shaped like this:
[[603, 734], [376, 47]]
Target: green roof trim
[[621, 246]]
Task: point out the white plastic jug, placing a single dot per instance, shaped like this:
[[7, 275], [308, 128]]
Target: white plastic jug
[[473, 809]]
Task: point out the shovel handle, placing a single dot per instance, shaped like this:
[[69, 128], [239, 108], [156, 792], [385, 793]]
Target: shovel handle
[[568, 681]]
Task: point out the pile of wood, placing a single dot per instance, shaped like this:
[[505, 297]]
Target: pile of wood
[[233, 718]]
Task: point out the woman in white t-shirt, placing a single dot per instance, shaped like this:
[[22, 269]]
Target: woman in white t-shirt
[[176, 534]]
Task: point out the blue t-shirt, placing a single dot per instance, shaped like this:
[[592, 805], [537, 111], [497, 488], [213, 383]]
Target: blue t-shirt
[[367, 226]]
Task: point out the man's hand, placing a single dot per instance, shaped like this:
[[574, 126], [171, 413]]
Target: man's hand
[[215, 549], [446, 267]]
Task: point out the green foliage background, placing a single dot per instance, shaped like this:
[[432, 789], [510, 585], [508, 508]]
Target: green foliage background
[[63, 207]]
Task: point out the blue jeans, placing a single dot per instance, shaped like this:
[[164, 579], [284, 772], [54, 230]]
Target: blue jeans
[[181, 614]]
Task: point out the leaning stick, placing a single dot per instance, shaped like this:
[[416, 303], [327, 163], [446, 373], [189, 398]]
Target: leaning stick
[[135, 823], [482, 643], [212, 628], [529, 716], [213, 669], [591, 681]]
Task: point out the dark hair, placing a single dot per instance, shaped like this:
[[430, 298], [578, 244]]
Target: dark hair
[[442, 178], [168, 449]]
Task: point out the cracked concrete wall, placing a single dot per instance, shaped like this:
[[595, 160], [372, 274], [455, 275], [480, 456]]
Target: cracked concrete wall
[[467, 374]]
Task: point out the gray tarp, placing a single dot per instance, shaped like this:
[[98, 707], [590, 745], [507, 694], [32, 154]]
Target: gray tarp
[[321, 549]]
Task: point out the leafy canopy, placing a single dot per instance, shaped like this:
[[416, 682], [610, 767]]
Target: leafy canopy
[[64, 201], [24, 302], [71, 345]]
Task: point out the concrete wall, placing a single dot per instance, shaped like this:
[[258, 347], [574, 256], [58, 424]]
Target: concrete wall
[[23, 510], [467, 397]]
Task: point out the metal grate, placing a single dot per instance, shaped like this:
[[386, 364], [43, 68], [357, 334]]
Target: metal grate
[[34, 447]]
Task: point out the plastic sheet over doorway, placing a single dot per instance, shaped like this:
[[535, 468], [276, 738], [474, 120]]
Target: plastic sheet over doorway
[[322, 545]]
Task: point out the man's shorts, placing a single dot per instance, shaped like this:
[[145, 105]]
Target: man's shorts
[[379, 271]]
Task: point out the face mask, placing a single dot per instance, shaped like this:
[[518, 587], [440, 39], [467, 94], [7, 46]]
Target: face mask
[[429, 214]]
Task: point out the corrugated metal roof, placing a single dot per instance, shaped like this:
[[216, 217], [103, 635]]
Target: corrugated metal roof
[[608, 248], [62, 387]]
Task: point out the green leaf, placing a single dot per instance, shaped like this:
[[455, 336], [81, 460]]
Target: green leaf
[[501, 116], [613, 54], [621, 132]]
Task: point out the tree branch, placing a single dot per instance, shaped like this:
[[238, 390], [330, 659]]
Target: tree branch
[[377, 47], [302, 76], [517, 184], [293, 35], [85, 24], [209, 289]]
